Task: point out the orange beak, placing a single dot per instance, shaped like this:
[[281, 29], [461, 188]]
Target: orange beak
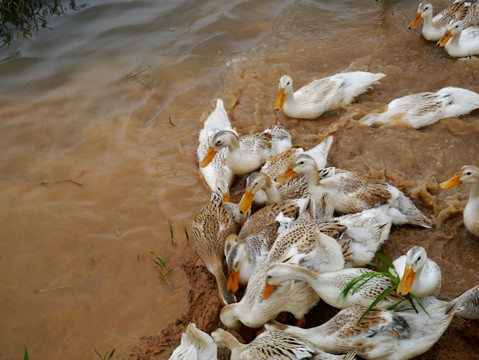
[[226, 198], [268, 289], [209, 156], [246, 202], [278, 105], [233, 281], [406, 281], [415, 22], [285, 176], [445, 38], [455, 180]]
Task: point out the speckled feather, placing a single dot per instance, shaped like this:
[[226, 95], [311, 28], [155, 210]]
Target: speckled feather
[[210, 228]]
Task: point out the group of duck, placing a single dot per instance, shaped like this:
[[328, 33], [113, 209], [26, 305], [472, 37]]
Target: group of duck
[[303, 232], [456, 28]]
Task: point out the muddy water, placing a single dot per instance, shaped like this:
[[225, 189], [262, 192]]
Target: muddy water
[[99, 123]]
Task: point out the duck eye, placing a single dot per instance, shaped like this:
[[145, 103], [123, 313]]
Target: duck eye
[[468, 173], [419, 258]]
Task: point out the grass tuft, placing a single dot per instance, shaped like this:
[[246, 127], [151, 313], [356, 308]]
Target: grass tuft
[[104, 357], [161, 262]]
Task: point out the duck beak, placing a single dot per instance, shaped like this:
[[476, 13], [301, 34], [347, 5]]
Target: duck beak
[[455, 180], [268, 289], [233, 281], [226, 198], [406, 281], [415, 22], [445, 38], [246, 202], [209, 156], [278, 105], [285, 176]]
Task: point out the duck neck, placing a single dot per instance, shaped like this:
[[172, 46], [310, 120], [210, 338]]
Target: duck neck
[[312, 177], [271, 191], [233, 145], [473, 192]]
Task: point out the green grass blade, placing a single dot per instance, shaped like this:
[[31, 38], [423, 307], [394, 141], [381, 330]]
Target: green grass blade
[[111, 354], [375, 302], [353, 282], [385, 260], [170, 225], [25, 357], [187, 237], [419, 302]]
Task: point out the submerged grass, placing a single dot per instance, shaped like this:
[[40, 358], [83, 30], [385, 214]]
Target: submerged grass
[[161, 262], [104, 357], [359, 281]]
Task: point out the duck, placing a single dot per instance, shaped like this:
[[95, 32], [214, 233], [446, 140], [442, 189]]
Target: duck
[[381, 334], [247, 153], [424, 109], [469, 304], [273, 345], [347, 192], [210, 228], [297, 298], [434, 27], [426, 281], [460, 41], [326, 245], [245, 251], [216, 174], [419, 275], [195, 345], [261, 186], [330, 285], [469, 174], [319, 96]]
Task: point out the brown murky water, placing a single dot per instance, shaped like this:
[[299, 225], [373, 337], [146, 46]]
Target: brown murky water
[[98, 137]]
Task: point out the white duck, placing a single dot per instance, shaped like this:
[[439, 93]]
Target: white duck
[[261, 187], [433, 28], [274, 345], [247, 153], [419, 275], [469, 304], [195, 345], [247, 250], [347, 192], [216, 174], [356, 238], [469, 174], [322, 95], [382, 334], [297, 298], [460, 41], [426, 108]]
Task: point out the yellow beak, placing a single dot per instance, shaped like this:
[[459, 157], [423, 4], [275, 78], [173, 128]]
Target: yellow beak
[[445, 38], [285, 176], [246, 202], [415, 22], [209, 156], [268, 289], [233, 281], [406, 281], [278, 105], [226, 198], [455, 180]]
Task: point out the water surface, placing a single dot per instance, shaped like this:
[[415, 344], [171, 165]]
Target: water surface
[[99, 124]]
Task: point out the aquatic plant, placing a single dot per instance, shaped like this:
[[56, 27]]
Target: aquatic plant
[[161, 262], [104, 357], [23, 18], [355, 284]]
